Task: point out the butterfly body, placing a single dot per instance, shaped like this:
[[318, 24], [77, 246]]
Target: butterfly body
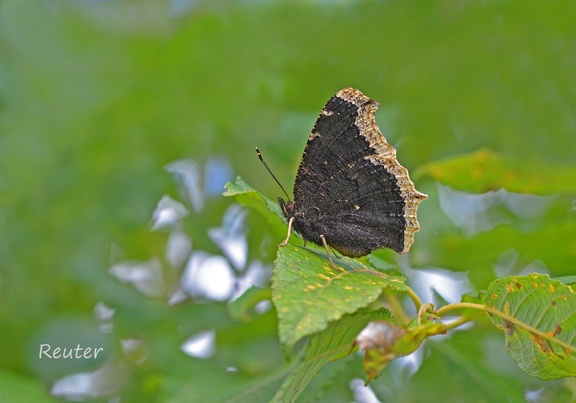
[[350, 189]]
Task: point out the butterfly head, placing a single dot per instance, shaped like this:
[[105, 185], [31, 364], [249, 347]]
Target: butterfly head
[[288, 207]]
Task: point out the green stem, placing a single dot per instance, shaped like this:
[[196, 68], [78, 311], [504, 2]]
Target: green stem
[[458, 322], [397, 309], [461, 305], [414, 298]]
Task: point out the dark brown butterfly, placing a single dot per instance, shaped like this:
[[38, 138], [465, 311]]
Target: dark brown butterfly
[[350, 191]]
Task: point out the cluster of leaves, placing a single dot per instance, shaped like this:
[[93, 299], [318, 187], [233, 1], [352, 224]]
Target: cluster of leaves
[[330, 305]]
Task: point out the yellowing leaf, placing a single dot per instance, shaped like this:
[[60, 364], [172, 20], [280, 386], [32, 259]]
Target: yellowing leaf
[[538, 315], [308, 293]]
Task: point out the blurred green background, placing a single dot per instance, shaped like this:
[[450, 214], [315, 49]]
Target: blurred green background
[[108, 106]]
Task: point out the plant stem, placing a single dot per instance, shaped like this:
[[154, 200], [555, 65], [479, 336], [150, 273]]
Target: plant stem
[[461, 305], [397, 309], [458, 322]]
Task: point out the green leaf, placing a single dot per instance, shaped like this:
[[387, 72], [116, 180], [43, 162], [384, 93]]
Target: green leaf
[[384, 342], [486, 170], [538, 315], [568, 280], [332, 343], [246, 195], [476, 297], [308, 293]]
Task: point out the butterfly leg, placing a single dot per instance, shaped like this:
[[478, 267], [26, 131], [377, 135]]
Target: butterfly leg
[[328, 253], [285, 242]]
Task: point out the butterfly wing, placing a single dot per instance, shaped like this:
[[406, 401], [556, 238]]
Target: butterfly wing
[[350, 187]]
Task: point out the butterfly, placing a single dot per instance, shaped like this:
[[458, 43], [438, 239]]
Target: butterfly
[[350, 192]]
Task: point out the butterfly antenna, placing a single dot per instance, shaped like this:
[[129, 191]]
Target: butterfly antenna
[[274, 176]]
